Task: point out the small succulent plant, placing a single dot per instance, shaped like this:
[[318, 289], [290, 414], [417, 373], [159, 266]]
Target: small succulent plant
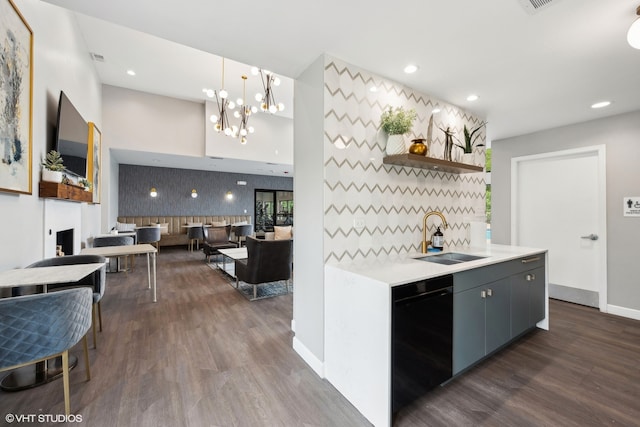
[[53, 161]]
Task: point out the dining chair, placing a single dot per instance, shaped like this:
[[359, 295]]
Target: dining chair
[[241, 231], [195, 234], [97, 281], [150, 235], [115, 240], [34, 328]]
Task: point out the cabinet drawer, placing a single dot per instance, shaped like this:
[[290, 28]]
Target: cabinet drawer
[[475, 277]]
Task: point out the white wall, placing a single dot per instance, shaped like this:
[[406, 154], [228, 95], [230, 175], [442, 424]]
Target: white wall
[[142, 121], [271, 142], [61, 62], [145, 122], [620, 135], [308, 298]]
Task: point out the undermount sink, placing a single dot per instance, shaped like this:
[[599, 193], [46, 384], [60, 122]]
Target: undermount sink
[[449, 258]]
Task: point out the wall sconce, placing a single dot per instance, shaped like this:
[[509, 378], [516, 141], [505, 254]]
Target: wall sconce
[[633, 36], [153, 192], [229, 195], [194, 193]]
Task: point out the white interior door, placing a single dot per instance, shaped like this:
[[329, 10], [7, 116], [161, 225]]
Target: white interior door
[[559, 203]]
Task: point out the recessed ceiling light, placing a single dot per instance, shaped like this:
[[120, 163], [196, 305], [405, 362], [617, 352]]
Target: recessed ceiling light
[[131, 72], [601, 104], [435, 111], [373, 89], [410, 69], [472, 97]]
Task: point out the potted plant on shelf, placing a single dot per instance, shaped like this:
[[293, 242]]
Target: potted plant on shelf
[[85, 183], [397, 122], [470, 137], [52, 167]]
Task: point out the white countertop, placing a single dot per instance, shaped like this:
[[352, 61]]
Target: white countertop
[[408, 269]]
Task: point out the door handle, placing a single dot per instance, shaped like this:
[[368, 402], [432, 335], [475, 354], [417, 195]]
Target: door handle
[[590, 237]]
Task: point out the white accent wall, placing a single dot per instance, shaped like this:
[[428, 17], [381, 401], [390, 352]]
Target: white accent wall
[[339, 177], [60, 63]]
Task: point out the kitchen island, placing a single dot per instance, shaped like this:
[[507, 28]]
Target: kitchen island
[[496, 298]]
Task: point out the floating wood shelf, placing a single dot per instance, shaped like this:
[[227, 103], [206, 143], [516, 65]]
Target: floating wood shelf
[[54, 190], [416, 161]]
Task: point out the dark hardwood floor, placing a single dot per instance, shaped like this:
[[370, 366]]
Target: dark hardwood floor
[[205, 356]]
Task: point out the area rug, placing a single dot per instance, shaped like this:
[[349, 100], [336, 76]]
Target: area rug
[[265, 290]]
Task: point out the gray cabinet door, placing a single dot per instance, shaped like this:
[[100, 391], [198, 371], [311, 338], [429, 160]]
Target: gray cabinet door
[[527, 300], [519, 304], [497, 314], [468, 328], [536, 296]]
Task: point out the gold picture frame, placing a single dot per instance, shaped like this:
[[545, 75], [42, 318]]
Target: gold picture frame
[[94, 157], [16, 100]]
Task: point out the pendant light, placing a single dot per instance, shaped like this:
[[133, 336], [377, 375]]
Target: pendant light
[[243, 114], [221, 120], [267, 101]]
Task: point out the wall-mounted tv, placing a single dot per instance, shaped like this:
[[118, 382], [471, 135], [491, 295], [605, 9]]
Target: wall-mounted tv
[[72, 134]]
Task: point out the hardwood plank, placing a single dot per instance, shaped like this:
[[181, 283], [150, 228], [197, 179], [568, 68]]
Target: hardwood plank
[[205, 356]]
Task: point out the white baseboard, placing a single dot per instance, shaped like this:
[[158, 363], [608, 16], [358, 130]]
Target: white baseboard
[[316, 364], [623, 311], [293, 325]]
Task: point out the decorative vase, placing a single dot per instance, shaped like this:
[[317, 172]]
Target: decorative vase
[[395, 145], [418, 147], [468, 158], [51, 176]]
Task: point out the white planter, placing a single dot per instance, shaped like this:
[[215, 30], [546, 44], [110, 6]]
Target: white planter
[[468, 158], [51, 176], [395, 145]]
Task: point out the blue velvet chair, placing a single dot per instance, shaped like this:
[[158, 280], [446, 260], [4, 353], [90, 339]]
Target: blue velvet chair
[[34, 328], [96, 281]]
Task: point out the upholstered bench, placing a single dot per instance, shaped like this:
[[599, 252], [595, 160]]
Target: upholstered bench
[[173, 230]]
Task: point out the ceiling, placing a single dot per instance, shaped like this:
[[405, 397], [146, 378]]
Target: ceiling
[[531, 71]]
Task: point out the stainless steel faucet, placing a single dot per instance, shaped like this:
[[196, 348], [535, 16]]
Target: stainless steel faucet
[[425, 242]]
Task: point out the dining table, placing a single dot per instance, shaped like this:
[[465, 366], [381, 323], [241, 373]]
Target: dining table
[[43, 276], [42, 372], [125, 250]]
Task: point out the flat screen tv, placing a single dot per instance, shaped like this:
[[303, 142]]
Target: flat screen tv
[[72, 137]]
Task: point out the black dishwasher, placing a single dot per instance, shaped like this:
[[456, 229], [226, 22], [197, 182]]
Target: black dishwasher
[[421, 337]]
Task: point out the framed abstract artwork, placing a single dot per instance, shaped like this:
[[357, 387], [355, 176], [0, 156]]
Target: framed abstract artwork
[[94, 160], [16, 87]]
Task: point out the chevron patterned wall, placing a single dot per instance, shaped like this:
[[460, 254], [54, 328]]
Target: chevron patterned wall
[[391, 200]]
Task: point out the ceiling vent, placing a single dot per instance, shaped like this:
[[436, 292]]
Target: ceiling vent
[[534, 6], [97, 57]]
